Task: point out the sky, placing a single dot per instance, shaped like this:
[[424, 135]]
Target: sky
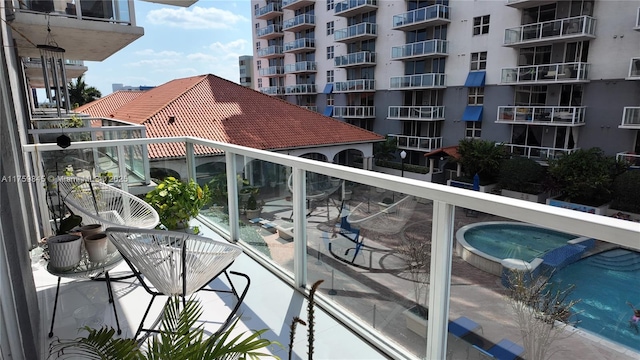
[[205, 38]]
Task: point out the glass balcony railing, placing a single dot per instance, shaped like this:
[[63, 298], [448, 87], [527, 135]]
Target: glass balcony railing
[[578, 26], [429, 48], [270, 31], [273, 8], [112, 11], [310, 107], [420, 81], [296, 4], [304, 20], [271, 51], [355, 59], [271, 71], [549, 73], [418, 17], [300, 44], [422, 113], [350, 7], [354, 111], [272, 90], [300, 89], [355, 85], [629, 157], [537, 152], [301, 66], [361, 30], [631, 117], [634, 69], [546, 115], [304, 230]]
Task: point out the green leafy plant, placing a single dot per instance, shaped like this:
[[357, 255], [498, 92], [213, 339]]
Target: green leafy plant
[[180, 339], [626, 196], [177, 202], [385, 150], [521, 174], [481, 157], [253, 204]]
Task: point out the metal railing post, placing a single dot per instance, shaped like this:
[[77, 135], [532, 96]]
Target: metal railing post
[[232, 196], [299, 227]]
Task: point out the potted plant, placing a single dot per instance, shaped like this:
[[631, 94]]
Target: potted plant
[[177, 202], [253, 208]]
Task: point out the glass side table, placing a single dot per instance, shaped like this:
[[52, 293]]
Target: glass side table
[[87, 269]]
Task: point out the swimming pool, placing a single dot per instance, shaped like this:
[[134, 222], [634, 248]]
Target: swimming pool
[[604, 283]]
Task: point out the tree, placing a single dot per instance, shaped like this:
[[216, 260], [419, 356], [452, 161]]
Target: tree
[[418, 254], [386, 150], [481, 157], [80, 93]]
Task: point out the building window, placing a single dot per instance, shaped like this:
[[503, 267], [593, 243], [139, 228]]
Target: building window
[[258, 45], [243, 71], [476, 96], [330, 28], [481, 25], [257, 26], [256, 6], [259, 64], [259, 83], [473, 129], [329, 52], [329, 99], [329, 76], [479, 61], [330, 5]]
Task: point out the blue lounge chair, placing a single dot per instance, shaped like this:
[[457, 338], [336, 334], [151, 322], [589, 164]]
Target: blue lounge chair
[[504, 350]]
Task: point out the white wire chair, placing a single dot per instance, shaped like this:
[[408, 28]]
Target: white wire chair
[[175, 263], [97, 202]]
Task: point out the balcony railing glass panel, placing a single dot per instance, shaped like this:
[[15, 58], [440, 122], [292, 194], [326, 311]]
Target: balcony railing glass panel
[[269, 30], [355, 85], [418, 81], [537, 152], [271, 7], [354, 111], [421, 143], [272, 90], [300, 89], [568, 27], [271, 71], [352, 4], [424, 113], [302, 66], [631, 117], [357, 30], [270, 50], [422, 48], [302, 43], [565, 72], [299, 20], [423, 14], [354, 59], [545, 115], [110, 10]]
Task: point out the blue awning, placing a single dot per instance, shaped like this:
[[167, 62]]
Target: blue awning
[[328, 89], [472, 113], [475, 79], [328, 111]]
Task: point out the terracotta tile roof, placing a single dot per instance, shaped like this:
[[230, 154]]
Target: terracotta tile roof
[[213, 108], [109, 103], [449, 150]]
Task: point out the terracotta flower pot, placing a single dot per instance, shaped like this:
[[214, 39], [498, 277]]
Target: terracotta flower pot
[[90, 229], [64, 251], [96, 246]]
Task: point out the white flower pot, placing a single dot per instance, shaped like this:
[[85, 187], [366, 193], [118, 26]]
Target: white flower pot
[[64, 251], [96, 246]]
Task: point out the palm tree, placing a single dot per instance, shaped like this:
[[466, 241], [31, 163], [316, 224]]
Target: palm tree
[[80, 93]]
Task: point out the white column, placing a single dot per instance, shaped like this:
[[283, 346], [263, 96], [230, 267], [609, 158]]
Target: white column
[[191, 161]]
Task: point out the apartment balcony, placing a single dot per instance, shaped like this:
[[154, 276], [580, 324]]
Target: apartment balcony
[[359, 112], [301, 89], [542, 115], [358, 32], [577, 72], [301, 67], [433, 15], [418, 143], [35, 77], [296, 4], [419, 81], [418, 113], [537, 152], [300, 45], [578, 28], [523, 4], [272, 90], [310, 107], [281, 271], [351, 8], [272, 71], [268, 12], [421, 50], [629, 157], [630, 118], [362, 58], [273, 51], [87, 30], [634, 69], [270, 32], [360, 85], [299, 23]]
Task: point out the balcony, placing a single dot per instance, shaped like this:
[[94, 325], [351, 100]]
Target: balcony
[[272, 90], [630, 118], [420, 81], [310, 107], [87, 30], [269, 11], [359, 112], [577, 72], [270, 32], [296, 4], [358, 32], [351, 8], [347, 302], [578, 28], [361, 85], [362, 58], [418, 113], [299, 23], [272, 71], [523, 4], [33, 71], [301, 67], [631, 158], [542, 115], [300, 45], [420, 50], [634, 69], [182, 3], [537, 152], [419, 143], [433, 15], [273, 51], [301, 89]]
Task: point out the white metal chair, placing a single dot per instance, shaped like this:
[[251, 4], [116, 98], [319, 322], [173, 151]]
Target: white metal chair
[[97, 202], [176, 263]]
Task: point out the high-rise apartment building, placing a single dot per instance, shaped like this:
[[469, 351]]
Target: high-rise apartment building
[[542, 77], [245, 66]]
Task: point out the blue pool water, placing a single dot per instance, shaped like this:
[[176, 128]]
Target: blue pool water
[[515, 241], [604, 283]]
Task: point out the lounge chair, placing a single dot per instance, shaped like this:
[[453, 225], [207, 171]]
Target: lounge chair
[[504, 350]]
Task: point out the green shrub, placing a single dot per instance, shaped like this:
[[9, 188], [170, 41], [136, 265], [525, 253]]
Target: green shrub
[[521, 174], [481, 157], [177, 202], [626, 196], [418, 169]]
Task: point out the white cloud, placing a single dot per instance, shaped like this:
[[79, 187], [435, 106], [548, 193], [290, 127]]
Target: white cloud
[[154, 63], [195, 18], [162, 54], [232, 46]]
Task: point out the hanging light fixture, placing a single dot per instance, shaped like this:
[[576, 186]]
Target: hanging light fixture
[[53, 70]]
